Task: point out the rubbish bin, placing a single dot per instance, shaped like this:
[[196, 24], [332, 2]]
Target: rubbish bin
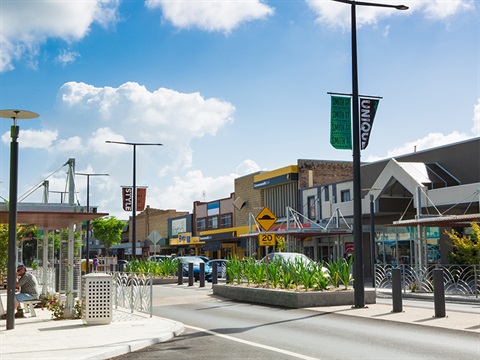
[[97, 299]]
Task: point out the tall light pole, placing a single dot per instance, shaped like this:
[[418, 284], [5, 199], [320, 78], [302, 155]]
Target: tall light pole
[[87, 238], [134, 188], [358, 273], [12, 209]]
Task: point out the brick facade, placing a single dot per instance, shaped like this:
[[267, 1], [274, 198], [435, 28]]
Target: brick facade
[[318, 172]]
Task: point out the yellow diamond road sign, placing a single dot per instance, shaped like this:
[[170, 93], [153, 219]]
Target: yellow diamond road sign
[[266, 218]]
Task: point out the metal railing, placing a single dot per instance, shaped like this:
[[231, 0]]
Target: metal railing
[[133, 291], [457, 279]]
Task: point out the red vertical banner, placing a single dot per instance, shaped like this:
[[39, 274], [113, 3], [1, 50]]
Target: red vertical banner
[[141, 198]]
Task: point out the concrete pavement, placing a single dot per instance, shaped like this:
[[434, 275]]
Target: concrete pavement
[[43, 338]]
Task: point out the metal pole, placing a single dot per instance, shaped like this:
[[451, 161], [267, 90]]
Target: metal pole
[[87, 238], [134, 205], [359, 281], [372, 239], [12, 228]]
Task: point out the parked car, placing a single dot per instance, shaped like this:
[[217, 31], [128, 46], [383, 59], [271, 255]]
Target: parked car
[[158, 257], [185, 260], [204, 258], [221, 266], [122, 264], [293, 258]]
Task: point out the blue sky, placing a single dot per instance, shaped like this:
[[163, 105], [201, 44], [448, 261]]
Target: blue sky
[[229, 88]]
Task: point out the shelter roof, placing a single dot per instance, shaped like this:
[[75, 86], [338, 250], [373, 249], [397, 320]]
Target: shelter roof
[[49, 216]]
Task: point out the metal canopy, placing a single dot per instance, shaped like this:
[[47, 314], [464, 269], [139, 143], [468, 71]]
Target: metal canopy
[[441, 221], [48, 215], [50, 220]]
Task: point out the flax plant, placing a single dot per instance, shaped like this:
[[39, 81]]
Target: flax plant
[[345, 274], [274, 273]]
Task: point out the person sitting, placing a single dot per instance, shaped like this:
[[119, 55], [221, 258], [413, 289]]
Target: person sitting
[[28, 285]]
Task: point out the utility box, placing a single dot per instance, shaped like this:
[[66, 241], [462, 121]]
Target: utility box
[[97, 299]]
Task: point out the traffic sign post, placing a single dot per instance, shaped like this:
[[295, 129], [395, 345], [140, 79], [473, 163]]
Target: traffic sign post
[[266, 218], [267, 239]]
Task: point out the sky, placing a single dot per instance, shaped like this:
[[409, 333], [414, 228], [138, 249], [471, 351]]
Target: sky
[[228, 87]]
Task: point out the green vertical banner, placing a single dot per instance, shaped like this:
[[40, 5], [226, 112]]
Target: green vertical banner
[[341, 123]]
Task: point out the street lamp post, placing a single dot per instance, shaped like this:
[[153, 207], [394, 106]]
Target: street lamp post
[[358, 271], [134, 187], [87, 238], [12, 209]]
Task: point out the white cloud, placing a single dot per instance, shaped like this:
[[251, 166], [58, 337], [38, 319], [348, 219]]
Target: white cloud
[[430, 141], [441, 9], [34, 139], [69, 146], [215, 15], [65, 57], [27, 24], [476, 119], [338, 15], [132, 113], [433, 139]]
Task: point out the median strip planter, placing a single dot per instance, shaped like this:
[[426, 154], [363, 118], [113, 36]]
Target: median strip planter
[[290, 298]]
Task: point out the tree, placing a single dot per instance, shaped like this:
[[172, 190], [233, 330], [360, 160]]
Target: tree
[[466, 248], [22, 232], [108, 230]]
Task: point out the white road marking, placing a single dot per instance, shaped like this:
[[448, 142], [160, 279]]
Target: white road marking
[[251, 343]]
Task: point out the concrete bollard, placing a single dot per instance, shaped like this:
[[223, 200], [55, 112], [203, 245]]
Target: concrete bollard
[[439, 293], [190, 274], [397, 291], [180, 273], [201, 276]]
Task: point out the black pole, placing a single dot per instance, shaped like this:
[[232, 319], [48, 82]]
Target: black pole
[[359, 281], [12, 228], [87, 239], [134, 205], [372, 239]]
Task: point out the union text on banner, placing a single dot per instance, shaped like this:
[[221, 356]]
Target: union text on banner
[[368, 109], [341, 123]]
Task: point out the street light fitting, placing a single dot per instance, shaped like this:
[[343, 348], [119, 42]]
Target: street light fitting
[[134, 187], [132, 143], [363, 3]]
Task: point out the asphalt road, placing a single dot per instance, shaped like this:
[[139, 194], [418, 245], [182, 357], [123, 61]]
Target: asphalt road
[[222, 329]]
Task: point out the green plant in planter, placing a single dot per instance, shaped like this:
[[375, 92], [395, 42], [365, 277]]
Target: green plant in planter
[[52, 303], [345, 274], [287, 275], [320, 280], [274, 273], [334, 270], [234, 270], [306, 274], [255, 272]]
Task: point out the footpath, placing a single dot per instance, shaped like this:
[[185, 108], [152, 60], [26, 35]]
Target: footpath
[[41, 337]]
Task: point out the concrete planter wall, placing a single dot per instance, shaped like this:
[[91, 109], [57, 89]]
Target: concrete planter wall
[[290, 299], [161, 281]]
